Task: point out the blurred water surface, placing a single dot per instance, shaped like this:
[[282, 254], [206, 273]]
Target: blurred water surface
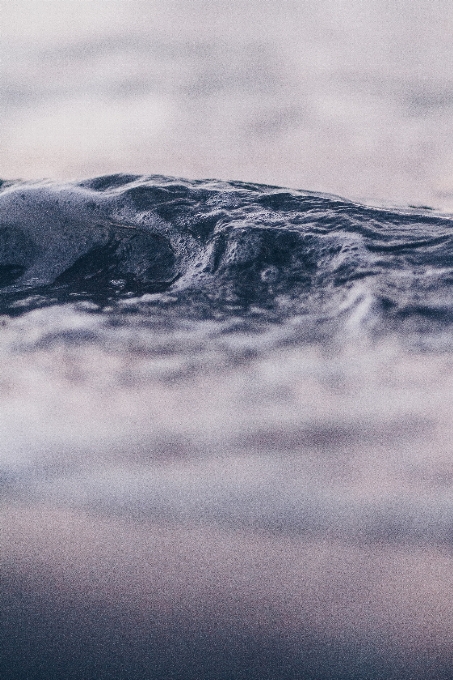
[[353, 98], [202, 487]]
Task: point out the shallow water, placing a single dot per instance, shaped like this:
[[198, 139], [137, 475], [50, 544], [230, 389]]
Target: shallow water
[[226, 421], [225, 406]]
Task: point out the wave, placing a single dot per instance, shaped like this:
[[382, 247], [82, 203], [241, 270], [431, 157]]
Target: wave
[[219, 249], [184, 408]]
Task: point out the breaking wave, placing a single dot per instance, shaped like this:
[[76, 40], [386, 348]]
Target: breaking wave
[[229, 382], [314, 265]]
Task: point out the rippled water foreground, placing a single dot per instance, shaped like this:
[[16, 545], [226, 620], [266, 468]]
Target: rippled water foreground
[[226, 420]]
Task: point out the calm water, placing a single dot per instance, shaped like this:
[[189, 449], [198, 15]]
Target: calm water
[[225, 406]]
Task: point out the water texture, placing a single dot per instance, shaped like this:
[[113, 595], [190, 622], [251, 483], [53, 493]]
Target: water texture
[[226, 432], [225, 406], [209, 250]]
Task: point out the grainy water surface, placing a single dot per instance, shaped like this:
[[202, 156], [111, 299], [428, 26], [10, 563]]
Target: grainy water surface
[[225, 406]]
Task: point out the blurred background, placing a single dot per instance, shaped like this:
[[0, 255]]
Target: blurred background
[[246, 510], [353, 97]]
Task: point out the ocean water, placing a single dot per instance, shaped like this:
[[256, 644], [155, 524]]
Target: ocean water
[[353, 98], [225, 405]]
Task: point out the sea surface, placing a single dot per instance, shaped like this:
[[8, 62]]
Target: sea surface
[[226, 415], [226, 432]]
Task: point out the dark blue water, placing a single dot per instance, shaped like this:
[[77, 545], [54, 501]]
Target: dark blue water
[[215, 250]]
